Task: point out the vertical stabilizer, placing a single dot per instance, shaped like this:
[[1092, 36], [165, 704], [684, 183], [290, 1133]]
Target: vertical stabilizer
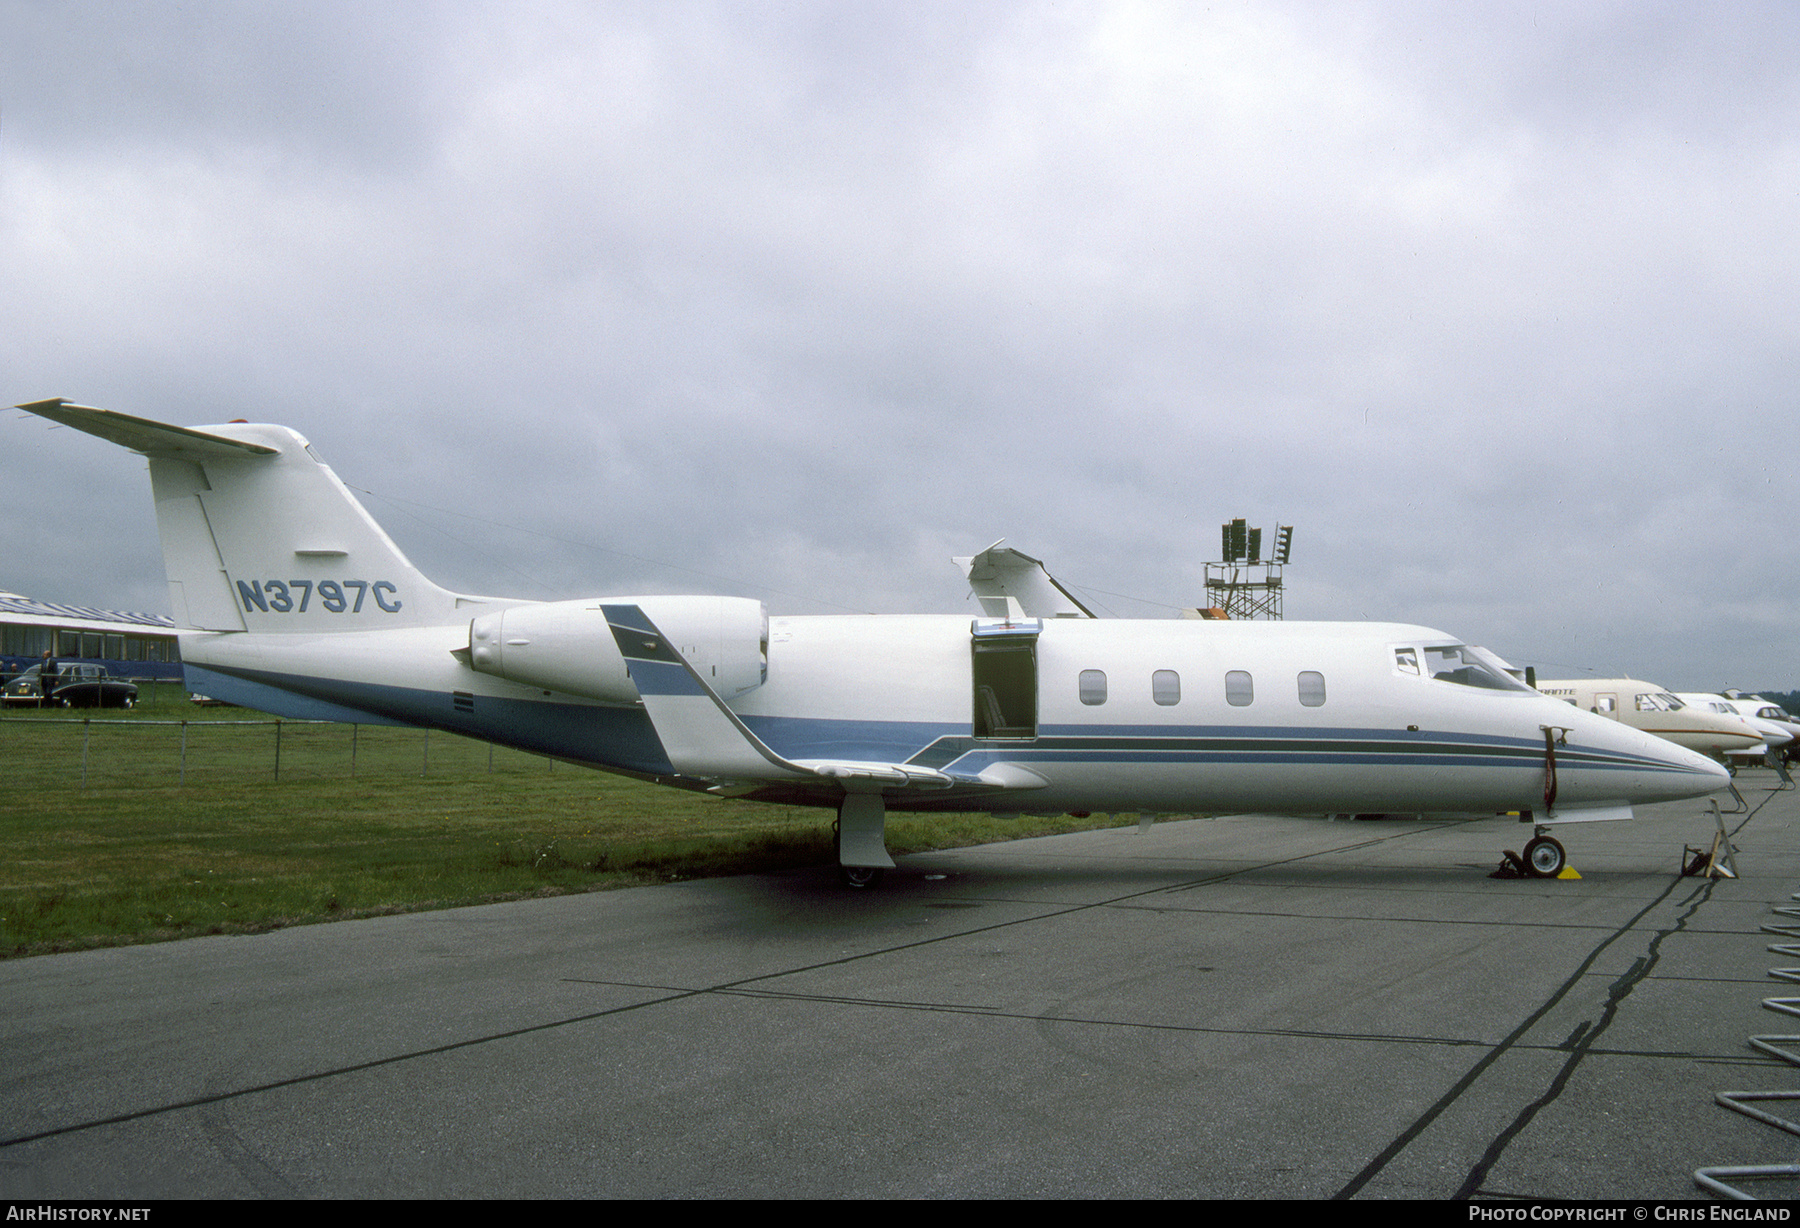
[[258, 534]]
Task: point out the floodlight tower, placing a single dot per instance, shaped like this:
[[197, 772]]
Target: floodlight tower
[[1244, 584]]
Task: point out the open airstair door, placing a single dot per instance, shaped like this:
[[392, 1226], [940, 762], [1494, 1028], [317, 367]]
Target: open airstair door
[[1004, 668]]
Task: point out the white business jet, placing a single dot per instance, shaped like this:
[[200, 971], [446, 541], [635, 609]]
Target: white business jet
[[1760, 709], [292, 600], [1653, 709], [1775, 734]]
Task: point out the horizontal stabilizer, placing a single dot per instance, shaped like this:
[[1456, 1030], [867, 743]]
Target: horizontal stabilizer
[[141, 434]]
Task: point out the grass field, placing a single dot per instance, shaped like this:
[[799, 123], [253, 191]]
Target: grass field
[[137, 827]]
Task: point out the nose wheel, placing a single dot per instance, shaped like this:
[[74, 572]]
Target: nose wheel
[[1544, 857]]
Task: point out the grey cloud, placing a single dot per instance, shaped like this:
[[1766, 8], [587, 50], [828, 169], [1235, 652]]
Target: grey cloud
[[1494, 304]]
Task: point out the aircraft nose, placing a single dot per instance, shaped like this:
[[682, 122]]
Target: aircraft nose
[[1659, 770], [1707, 775]]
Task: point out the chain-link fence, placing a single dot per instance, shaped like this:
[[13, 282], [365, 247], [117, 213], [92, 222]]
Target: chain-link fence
[[98, 752]]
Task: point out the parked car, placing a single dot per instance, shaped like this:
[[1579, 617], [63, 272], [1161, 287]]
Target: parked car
[[77, 684]]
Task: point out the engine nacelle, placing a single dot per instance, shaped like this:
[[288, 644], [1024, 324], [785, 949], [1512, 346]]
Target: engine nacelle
[[561, 646], [567, 646]]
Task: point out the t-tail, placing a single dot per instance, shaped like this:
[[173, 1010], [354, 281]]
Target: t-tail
[[256, 531]]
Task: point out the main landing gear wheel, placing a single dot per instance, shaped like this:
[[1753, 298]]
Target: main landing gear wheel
[[1545, 857], [857, 839], [853, 876]]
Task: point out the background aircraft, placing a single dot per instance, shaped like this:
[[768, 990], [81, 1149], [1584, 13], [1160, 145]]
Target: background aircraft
[[1647, 706]]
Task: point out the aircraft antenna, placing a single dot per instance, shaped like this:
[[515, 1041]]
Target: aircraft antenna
[[1243, 584]]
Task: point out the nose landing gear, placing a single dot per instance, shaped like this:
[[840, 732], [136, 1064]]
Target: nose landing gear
[[1543, 858]]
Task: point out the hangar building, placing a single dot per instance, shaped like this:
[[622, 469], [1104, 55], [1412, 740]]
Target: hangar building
[[130, 645]]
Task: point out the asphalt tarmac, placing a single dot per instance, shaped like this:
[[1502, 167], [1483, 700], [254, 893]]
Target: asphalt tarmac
[[1240, 1007]]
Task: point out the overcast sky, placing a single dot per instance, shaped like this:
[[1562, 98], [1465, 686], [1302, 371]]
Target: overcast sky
[[1496, 303]]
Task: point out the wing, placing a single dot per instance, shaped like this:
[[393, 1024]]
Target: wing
[[1014, 585]]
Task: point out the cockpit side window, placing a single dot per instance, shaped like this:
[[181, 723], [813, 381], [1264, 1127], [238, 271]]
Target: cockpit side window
[[1466, 665], [1406, 660]]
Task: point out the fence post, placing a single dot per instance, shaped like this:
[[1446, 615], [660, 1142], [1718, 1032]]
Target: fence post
[[184, 726], [86, 728], [425, 762], [278, 748], [353, 729]]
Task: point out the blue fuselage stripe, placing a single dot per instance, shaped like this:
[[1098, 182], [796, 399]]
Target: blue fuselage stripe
[[908, 741]]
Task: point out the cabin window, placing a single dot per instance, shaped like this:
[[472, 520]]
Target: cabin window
[[1238, 689], [1406, 660], [1165, 687], [1092, 686], [1312, 689]]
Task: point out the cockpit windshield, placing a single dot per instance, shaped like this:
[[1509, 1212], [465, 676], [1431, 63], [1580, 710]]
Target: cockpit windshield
[[1466, 665], [1661, 701]]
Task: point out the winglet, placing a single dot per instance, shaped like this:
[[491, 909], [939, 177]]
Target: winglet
[[704, 738], [701, 736], [1011, 585]]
